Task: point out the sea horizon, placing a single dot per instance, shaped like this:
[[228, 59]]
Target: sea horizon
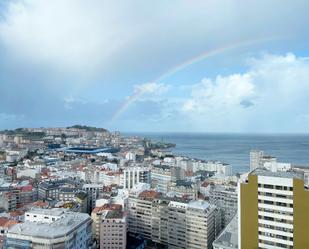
[[234, 148]]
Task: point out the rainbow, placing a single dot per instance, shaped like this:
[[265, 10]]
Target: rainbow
[[137, 94]]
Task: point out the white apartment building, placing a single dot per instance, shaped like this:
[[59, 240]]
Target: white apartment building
[[255, 157], [177, 236], [130, 156], [135, 175], [258, 159], [161, 177], [108, 178], [175, 223], [202, 224], [51, 228], [225, 198], [276, 166]]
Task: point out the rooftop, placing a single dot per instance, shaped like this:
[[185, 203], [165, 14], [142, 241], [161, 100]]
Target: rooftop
[[40, 204], [162, 167], [114, 214], [149, 194], [53, 211], [107, 207], [69, 222], [184, 183], [199, 204], [5, 222], [281, 174], [56, 183], [228, 239]]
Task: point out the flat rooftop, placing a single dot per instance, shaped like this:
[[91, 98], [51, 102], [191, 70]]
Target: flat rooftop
[[59, 228], [53, 212], [228, 239], [281, 174], [199, 204]]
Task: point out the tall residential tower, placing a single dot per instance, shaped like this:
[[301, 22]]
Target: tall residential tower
[[273, 210]]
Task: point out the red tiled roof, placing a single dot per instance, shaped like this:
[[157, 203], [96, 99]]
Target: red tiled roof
[[16, 213], [107, 207], [205, 184], [151, 194], [40, 204], [3, 221], [11, 223], [26, 188]]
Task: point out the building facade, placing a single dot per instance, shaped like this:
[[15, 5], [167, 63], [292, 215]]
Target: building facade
[[174, 223], [273, 210], [113, 231], [97, 216], [135, 175], [225, 198], [50, 228], [92, 191]]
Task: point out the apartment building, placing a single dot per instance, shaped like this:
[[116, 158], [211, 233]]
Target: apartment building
[[183, 188], [160, 220], [113, 231], [67, 194], [177, 237], [258, 159], [97, 216], [92, 191], [202, 224], [50, 228], [176, 223], [225, 198], [273, 210], [50, 189], [132, 176], [228, 239], [144, 212], [161, 177], [8, 201]]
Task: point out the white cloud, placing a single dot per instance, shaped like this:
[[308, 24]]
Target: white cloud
[[222, 93], [272, 96], [151, 88]]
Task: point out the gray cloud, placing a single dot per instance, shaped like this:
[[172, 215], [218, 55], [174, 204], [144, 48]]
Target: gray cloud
[[246, 103], [98, 50]]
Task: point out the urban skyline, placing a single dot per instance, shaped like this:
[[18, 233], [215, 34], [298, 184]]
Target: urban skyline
[[154, 124]]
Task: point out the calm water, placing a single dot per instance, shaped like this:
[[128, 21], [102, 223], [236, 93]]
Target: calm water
[[234, 148]]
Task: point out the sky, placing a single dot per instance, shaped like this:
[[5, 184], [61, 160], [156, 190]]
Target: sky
[[172, 66]]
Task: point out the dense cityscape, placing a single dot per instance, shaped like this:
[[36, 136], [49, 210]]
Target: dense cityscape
[[86, 187], [159, 124]]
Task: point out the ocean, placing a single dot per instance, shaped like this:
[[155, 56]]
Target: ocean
[[235, 148]]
